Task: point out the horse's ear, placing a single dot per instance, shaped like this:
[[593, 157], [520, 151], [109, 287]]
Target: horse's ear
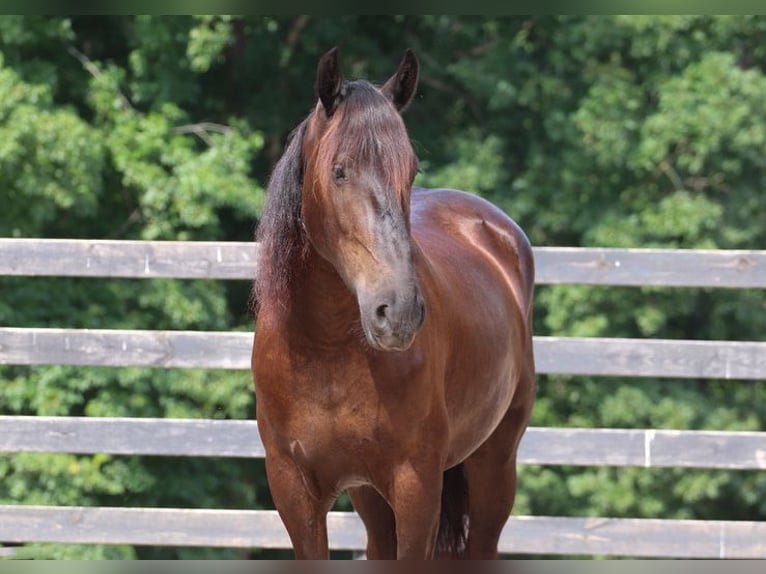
[[329, 80], [400, 88]]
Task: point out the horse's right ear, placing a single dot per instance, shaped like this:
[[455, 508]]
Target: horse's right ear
[[329, 80], [400, 88]]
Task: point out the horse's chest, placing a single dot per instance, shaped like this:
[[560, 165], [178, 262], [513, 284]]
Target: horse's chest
[[312, 399], [333, 435], [337, 415]]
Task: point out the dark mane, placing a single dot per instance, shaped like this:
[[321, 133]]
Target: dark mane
[[365, 128], [280, 232]]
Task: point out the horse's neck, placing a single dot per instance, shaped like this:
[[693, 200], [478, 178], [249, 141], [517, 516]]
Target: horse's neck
[[322, 309]]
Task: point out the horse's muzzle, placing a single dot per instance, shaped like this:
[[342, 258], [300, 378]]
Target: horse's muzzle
[[391, 322]]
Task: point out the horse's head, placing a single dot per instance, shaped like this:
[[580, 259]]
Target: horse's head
[[358, 173]]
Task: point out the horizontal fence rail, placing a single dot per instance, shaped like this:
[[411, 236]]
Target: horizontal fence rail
[[237, 260], [225, 438], [651, 267], [125, 348], [263, 529], [231, 350], [138, 259], [661, 358]]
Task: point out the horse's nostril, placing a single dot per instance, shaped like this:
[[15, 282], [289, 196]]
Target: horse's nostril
[[380, 312]]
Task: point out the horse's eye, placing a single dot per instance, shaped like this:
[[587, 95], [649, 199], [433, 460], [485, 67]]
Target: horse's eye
[[339, 173]]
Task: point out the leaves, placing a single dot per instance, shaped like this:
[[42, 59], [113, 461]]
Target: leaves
[[50, 159], [207, 41]]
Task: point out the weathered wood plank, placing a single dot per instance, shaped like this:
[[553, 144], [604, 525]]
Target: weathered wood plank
[[125, 348], [140, 259], [656, 267], [236, 260], [540, 445], [168, 437], [231, 350], [634, 537], [263, 529], [649, 448], [152, 526], [651, 358]]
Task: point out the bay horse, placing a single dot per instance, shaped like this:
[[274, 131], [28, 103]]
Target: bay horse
[[392, 355]]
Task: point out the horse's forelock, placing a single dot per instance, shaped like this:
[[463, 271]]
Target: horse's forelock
[[367, 129]]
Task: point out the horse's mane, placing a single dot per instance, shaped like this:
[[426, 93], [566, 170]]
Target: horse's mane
[[363, 129], [280, 231]]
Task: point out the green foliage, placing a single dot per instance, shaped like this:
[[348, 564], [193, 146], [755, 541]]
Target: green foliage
[[629, 131], [50, 159], [207, 41], [476, 165]]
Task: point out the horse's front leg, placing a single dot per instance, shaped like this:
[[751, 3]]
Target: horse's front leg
[[416, 501], [303, 512]]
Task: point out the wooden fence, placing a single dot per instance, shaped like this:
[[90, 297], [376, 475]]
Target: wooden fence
[[231, 350]]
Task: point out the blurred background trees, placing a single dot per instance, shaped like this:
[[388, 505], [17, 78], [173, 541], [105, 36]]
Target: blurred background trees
[[619, 131]]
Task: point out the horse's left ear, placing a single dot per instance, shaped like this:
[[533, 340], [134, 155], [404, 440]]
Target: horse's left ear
[[329, 80], [400, 88]]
